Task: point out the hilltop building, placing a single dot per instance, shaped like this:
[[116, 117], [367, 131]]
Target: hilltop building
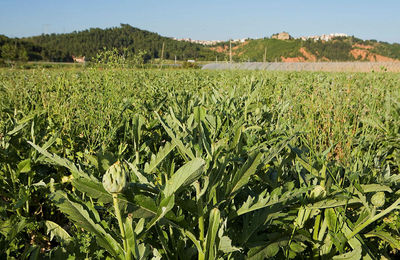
[[214, 42], [323, 37], [282, 36]]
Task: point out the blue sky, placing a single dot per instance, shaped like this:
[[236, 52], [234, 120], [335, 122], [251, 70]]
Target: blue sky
[[206, 20]]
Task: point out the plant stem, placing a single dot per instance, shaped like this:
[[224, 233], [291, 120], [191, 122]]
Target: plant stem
[[120, 223], [201, 219], [373, 219]]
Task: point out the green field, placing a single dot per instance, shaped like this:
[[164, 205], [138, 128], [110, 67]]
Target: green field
[[218, 164]]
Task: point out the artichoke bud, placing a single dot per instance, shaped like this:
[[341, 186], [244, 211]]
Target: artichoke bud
[[378, 200], [114, 180]]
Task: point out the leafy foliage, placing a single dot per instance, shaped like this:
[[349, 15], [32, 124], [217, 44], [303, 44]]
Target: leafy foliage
[[219, 165]]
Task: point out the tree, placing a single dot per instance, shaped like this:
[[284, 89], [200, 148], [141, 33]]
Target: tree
[[9, 52]]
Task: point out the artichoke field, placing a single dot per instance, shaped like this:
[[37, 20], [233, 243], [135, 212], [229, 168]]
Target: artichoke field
[[187, 164]]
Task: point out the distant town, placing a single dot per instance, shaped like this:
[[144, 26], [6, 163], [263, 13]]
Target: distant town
[[279, 36], [213, 42]]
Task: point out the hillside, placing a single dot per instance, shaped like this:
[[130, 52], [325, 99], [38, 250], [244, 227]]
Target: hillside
[[296, 50], [60, 47]]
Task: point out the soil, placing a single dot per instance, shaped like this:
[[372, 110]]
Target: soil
[[357, 53], [309, 56], [366, 55], [240, 45], [383, 58], [293, 59], [220, 49], [225, 48], [367, 47]]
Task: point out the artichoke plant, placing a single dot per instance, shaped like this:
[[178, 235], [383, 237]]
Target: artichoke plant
[[114, 182]]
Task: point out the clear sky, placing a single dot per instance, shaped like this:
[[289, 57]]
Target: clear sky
[[206, 19]]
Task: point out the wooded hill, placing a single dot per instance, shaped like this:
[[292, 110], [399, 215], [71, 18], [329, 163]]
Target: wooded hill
[[296, 50], [61, 47]]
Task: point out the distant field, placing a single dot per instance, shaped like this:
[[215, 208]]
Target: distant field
[[308, 66], [199, 164]]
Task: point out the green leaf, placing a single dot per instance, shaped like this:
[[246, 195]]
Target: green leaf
[[12, 226], [263, 252], [307, 166], [242, 176], [24, 166], [60, 161], [225, 245], [137, 123], [331, 218], [54, 230], [353, 255], [375, 188], [17, 129], [156, 159], [176, 140], [93, 188], [386, 236], [213, 226], [131, 237], [81, 217], [265, 199], [297, 247], [363, 225], [333, 203], [184, 176], [236, 137], [165, 206], [199, 114], [105, 160]]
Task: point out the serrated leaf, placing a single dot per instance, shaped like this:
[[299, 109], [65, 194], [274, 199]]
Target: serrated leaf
[[184, 176], [266, 200], [81, 217], [60, 161], [156, 159], [242, 176], [176, 140]]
